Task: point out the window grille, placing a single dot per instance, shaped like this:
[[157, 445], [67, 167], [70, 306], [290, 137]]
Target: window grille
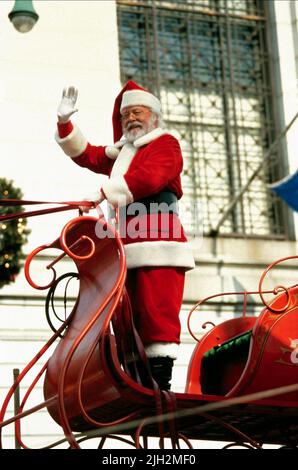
[[208, 62]]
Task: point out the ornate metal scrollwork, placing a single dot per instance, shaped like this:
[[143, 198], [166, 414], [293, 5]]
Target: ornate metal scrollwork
[[277, 289], [27, 269], [50, 300]]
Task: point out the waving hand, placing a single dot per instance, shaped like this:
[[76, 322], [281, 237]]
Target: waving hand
[[67, 105]]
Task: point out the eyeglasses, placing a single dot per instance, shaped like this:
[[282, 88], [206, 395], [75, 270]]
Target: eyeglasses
[[134, 112]]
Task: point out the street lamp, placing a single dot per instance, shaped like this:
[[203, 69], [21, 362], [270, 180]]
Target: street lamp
[[23, 15]]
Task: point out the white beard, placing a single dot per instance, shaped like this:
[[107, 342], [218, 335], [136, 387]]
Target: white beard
[[135, 133]]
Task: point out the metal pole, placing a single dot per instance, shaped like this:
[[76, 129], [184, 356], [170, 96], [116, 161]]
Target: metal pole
[[16, 402], [214, 232], [156, 46]]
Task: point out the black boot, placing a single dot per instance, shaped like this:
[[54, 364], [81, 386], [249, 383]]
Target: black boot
[[161, 370]]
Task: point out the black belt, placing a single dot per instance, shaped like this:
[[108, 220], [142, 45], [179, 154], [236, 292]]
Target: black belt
[[163, 202]]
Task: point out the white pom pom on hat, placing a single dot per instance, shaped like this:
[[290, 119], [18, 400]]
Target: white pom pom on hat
[[112, 152]]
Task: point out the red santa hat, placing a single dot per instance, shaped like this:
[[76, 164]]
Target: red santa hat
[[132, 94]]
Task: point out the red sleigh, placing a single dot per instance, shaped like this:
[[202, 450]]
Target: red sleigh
[[242, 383]]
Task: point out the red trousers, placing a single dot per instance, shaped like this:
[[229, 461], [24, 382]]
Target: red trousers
[[156, 296]]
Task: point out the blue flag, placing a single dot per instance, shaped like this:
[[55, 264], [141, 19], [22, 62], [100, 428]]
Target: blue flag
[[287, 189]]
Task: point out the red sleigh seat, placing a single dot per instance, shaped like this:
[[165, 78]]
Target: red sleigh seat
[[249, 354]]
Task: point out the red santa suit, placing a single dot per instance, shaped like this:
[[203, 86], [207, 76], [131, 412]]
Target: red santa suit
[[157, 252]]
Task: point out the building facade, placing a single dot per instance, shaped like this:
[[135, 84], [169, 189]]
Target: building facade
[[226, 72]]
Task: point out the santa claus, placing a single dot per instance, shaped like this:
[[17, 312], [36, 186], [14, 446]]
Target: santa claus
[[143, 168]]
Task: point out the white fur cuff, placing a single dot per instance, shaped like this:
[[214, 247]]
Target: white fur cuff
[[73, 144], [162, 350], [117, 192], [159, 253]]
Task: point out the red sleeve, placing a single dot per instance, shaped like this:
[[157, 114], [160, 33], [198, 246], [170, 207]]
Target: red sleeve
[[95, 159], [64, 128], [158, 170]]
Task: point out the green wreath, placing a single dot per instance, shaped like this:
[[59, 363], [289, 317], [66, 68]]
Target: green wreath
[[13, 235]]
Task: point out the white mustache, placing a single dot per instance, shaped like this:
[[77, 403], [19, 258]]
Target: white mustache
[[134, 124]]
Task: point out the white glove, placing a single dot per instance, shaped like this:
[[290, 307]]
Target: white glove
[[67, 107], [97, 197]]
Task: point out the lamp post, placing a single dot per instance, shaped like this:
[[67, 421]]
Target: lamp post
[[23, 15]]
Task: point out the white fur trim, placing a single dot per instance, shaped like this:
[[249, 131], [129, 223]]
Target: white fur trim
[[73, 144], [116, 189], [123, 160], [117, 192], [120, 143], [162, 350], [147, 138], [159, 253], [112, 152], [140, 98], [128, 150]]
